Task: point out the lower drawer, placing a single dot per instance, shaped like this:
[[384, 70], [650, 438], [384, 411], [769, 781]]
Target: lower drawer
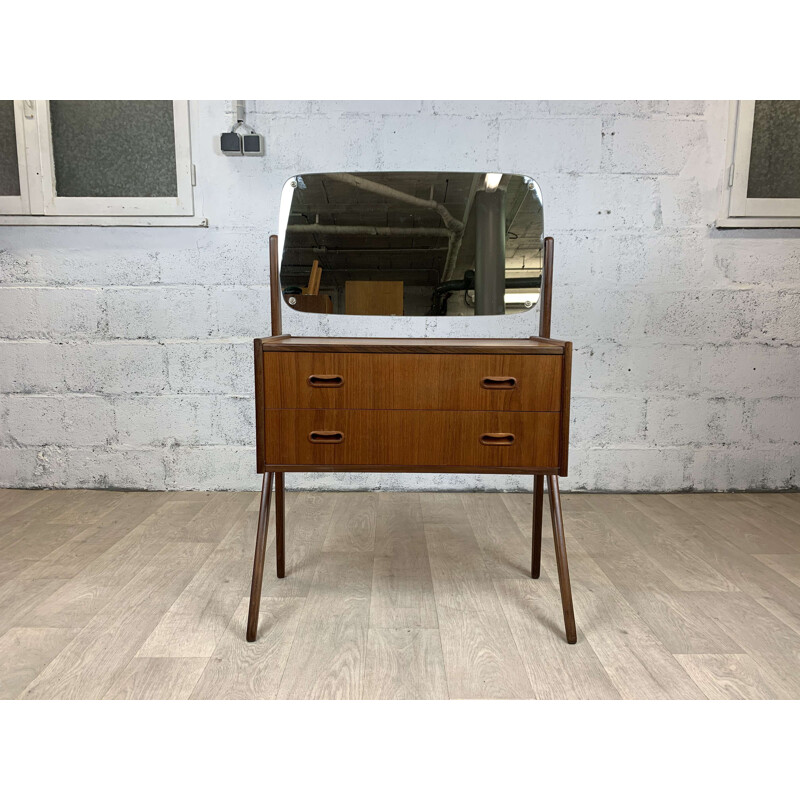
[[339, 437]]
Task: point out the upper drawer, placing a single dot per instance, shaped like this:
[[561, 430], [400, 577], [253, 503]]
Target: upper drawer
[[413, 381]]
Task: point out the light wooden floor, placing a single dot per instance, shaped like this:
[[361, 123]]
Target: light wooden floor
[[144, 595]]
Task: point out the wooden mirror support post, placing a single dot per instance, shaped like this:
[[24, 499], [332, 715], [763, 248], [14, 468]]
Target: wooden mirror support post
[[545, 311], [266, 484], [328, 404]]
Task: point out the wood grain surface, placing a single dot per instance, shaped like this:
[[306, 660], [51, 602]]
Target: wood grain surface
[[413, 381], [411, 438]]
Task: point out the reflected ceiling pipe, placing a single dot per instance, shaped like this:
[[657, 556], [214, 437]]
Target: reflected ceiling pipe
[[367, 230], [490, 247], [450, 222], [391, 250], [455, 228]]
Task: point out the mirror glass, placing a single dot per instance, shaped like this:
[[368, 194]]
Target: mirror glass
[[411, 243]]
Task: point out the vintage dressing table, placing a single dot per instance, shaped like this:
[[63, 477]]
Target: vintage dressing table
[[413, 405]]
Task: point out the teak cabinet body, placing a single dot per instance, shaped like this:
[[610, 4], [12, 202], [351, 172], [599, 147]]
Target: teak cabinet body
[[412, 405]]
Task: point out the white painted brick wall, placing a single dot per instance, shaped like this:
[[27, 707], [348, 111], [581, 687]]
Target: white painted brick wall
[[126, 354]]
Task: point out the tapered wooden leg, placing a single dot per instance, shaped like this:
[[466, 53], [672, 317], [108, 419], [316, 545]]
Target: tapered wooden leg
[[538, 509], [280, 524], [561, 558], [258, 558]]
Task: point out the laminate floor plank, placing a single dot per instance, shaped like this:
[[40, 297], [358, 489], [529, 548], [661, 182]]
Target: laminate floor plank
[[39, 541], [195, 622], [769, 516], [587, 531], [742, 523], [402, 587], [88, 507], [404, 664], [506, 549], [773, 645], [157, 679], [480, 655], [20, 597], [25, 652], [520, 506], [352, 523], [61, 550], [662, 543], [787, 504], [638, 664], [743, 571], [735, 676], [308, 516], [328, 655], [76, 602], [677, 623], [51, 503], [556, 671], [93, 661], [15, 501], [241, 670], [786, 565], [71, 558], [212, 520]]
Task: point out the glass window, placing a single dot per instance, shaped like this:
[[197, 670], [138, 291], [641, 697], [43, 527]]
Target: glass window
[[9, 164], [113, 148], [775, 152]]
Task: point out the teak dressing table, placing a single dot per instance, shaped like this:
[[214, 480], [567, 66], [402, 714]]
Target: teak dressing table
[[413, 405]]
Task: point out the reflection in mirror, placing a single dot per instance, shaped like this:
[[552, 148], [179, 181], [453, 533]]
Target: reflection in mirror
[[412, 243]]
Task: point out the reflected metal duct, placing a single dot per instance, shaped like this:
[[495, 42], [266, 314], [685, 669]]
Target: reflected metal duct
[[455, 227], [450, 222], [367, 230]]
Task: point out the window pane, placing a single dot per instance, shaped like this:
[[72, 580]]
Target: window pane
[[113, 148], [9, 166], [775, 154]]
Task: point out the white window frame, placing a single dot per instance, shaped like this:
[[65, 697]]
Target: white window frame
[[737, 209], [18, 204], [40, 205]]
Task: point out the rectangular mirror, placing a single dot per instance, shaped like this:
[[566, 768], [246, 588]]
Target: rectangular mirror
[[411, 243]]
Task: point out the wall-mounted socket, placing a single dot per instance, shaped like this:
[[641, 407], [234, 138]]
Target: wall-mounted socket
[[252, 144], [241, 139], [230, 143]]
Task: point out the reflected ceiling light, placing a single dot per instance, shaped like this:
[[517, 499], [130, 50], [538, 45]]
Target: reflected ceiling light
[[527, 299], [492, 180]]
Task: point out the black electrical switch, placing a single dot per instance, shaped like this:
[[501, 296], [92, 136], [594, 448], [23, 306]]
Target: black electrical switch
[[252, 144], [230, 143]]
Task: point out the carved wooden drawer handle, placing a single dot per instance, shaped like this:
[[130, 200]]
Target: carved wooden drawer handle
[[325, 437], [493, 382], [325, 381], [497, 438]]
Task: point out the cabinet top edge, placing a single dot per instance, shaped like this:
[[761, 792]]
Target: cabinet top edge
[[532, 346]]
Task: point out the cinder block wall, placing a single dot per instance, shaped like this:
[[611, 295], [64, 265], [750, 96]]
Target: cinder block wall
[[126, 354]]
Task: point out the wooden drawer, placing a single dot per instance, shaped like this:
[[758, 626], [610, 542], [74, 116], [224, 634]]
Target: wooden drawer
[[476, 439], [492, 382]]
